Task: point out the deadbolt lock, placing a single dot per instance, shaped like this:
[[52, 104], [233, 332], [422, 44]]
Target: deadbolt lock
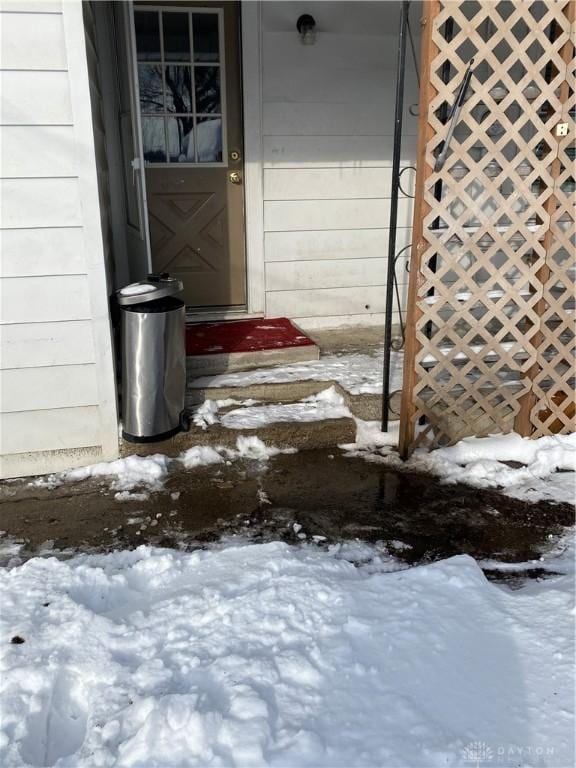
[[234, 155], [234, 177]]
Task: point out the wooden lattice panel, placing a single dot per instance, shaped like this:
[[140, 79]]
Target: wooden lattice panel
[[552, 402], [491, 332]]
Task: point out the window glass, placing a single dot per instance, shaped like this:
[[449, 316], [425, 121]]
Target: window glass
[[205, 32], [181, 139], [151, 89], [207, 81], [209, 139], [176, 28], [178, 88], [153, 139], [147, 35]]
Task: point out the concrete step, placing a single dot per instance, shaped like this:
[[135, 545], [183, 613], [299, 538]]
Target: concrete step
[[365, 406], [231, 362], [302, 435]]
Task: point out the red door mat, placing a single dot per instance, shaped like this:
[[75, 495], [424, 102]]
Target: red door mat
[[243, 336]]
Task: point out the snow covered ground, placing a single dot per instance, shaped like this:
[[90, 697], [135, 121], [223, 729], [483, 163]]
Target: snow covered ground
[[148, 474], [548, 470], [271, 655], [549, 463]]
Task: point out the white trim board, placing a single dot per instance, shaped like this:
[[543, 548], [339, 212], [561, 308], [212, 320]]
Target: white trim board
[[92, 228], [251, 22]]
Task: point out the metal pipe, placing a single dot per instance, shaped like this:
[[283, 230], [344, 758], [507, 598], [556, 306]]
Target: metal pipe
[[399, 108], [454, 118]]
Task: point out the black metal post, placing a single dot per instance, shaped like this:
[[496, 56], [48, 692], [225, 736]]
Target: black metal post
[[394, 208]]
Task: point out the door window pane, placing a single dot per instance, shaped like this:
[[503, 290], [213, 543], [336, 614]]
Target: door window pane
[[176, 36], [147, 35], [151, 91], [178, 89], [181, 139], [205, 32], [209, 139], [180, 86], [153, 139], [207, 89]]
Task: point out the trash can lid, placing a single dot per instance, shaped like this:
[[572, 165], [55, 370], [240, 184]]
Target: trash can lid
[[157, 286]]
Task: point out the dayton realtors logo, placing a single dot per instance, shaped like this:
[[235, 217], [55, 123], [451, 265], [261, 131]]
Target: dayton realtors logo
[[477, 753]]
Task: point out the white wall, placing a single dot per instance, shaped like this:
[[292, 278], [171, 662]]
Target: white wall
[[57, 393], [328, 125]]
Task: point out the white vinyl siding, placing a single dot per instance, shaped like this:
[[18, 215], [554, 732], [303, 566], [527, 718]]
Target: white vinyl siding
[[57, 390], [314, 215], [301, 152], [33, 345], [19, 158], [30, 203], [328, 125], [32, 6], [327, 183], [328, 302], [44, 388], [54, 298], [53, 429], [316, 275], [42, 251], [330, 245], [35, 98], [44, 47]]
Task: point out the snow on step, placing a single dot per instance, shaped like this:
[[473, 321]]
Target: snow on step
[[356, 373], [268, 655], [328, 404]]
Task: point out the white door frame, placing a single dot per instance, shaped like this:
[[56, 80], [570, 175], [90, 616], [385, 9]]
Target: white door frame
[[138, 175], [251, 23], [253, 155]]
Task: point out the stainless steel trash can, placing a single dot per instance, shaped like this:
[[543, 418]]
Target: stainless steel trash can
[[153, 359]]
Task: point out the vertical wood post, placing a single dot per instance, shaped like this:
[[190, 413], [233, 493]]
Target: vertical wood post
[[429, 51]]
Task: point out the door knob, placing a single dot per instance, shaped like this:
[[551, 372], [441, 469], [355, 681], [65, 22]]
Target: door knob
[[234, 177]]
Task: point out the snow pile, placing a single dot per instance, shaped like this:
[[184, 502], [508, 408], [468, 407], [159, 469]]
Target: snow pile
[[371, 443], [328, 404], [207, 414], [124, 474], [127, 473], [137, 288], [201, 456], [479, 461], [246, 448], [253, 448], [268, 655], [356, 373], [149, 473]]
